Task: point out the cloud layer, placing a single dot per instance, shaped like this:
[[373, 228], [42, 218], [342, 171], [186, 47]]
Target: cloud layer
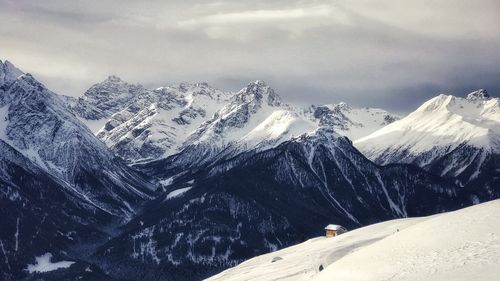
[[392, 54]]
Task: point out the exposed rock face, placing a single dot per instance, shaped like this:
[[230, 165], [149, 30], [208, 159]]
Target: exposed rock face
[[104, 99]]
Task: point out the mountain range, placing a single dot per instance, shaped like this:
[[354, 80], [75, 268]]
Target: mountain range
[[181, 182]]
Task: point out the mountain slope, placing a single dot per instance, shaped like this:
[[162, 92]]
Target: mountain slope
[[453, 137], [254, 118], [464, 245], [258, 202], [37, 123], [39, 215], [62, 189]]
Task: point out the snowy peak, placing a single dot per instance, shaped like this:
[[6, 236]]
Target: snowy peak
[[103, 99], [258, 92], [255, 119], [8, 72], [320, 136], [437, 103], [252, 119], [475, 119], [38, 124], [281, 125], [479, 99]]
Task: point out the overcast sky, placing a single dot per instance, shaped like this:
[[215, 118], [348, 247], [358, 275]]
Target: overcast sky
[[392, 54]]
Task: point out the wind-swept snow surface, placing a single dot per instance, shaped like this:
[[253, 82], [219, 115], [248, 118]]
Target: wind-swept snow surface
[[460, 245]]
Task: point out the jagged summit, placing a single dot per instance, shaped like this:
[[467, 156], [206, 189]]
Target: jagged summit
[[480, 94], [258, 91], [8, 72], [104, 99], [246, 109]]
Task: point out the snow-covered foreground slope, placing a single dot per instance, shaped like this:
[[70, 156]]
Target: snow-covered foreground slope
[[460, 245]]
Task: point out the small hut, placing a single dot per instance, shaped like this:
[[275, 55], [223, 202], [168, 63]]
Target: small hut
[[333, 230]]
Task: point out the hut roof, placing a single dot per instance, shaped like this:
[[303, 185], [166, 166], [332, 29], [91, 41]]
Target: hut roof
[[333, 227]]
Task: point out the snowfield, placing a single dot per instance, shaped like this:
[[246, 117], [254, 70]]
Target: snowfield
[[460, 245]]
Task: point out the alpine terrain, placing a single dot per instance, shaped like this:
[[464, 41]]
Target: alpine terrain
[[184, 181]]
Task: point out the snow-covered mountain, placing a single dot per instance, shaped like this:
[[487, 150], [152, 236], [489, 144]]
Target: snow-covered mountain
[[142, 125], [255, 119], [464, 245], [62, 189], [37, 123], [155, 123], [261, 201], [451, 136]]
